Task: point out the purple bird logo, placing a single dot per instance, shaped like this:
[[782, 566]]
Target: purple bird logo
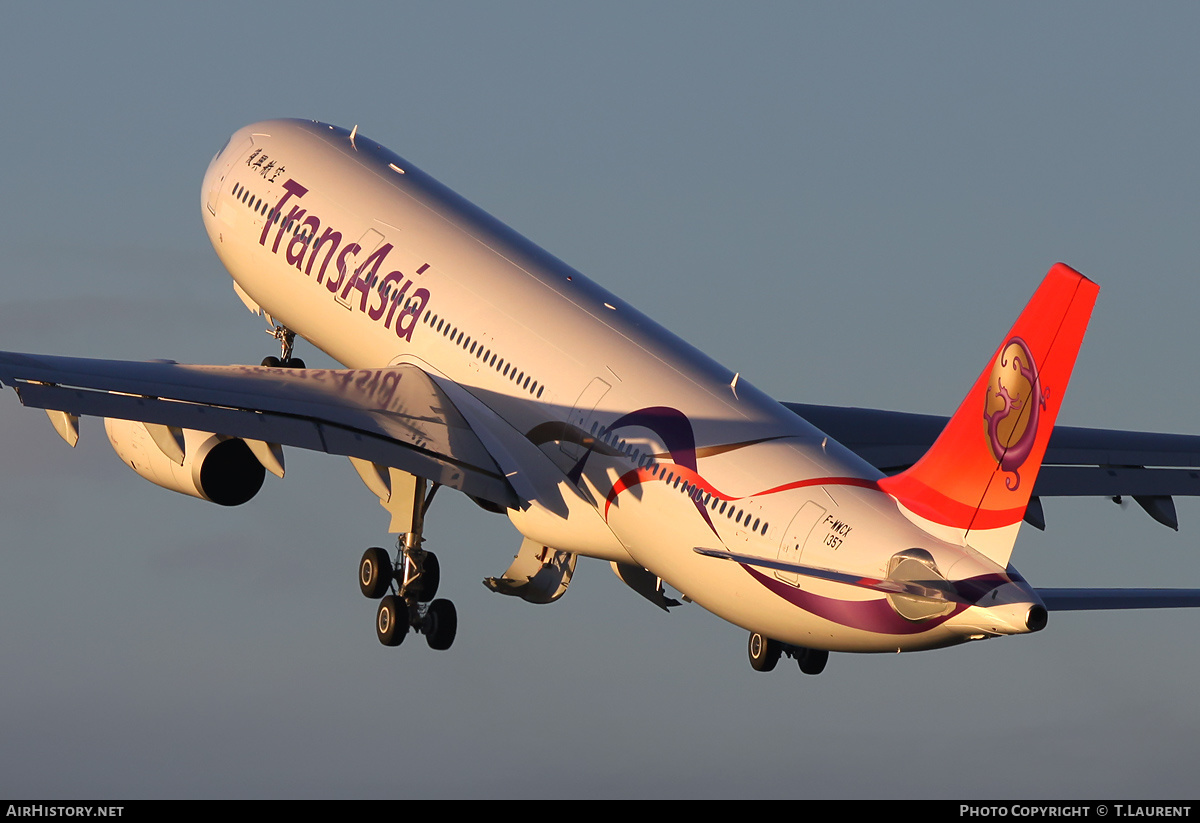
[[1013, 404]]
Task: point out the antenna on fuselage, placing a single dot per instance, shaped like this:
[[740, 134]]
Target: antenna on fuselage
[[353, 132]]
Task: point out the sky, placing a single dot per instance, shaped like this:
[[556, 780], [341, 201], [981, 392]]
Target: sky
[[846, 203]]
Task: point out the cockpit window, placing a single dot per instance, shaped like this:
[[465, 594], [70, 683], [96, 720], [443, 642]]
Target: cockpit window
[[228, 140]]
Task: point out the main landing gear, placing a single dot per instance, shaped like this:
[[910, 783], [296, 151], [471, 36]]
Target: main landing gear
[[765, 653], [287, 339], [405, 589]]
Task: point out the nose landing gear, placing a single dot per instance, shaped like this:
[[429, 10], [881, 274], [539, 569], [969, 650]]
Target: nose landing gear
[[287, 340]]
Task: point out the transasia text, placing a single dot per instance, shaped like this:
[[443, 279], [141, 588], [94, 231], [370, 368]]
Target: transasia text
[[39, 810], [390, 291]]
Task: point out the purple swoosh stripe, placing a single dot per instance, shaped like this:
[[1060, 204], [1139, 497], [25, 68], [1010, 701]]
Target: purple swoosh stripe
[[875, 615]]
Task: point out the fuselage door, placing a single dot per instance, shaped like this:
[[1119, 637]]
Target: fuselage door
[[573, 443], [796, 536]]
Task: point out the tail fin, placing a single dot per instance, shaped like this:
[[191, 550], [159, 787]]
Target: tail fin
[[975, 481]]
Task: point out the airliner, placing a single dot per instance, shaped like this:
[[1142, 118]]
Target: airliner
[[475, 360]]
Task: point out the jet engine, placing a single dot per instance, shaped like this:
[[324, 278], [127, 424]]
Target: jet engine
[[213, 467]]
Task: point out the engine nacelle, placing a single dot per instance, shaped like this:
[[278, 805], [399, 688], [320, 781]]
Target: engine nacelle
[[212, 467]]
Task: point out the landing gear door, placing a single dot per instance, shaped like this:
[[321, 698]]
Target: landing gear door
[[538, 574], [796, 536]]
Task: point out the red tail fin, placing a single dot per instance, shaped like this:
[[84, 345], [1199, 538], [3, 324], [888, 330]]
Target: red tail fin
[[977, 477]]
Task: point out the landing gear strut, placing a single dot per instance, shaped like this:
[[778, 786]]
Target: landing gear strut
[[287, 340], [765, 653], [407, 587]]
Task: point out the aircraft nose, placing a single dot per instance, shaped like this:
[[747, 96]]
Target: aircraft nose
[[237, 146], [213, 176]]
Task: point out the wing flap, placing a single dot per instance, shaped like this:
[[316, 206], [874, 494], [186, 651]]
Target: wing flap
[[395, 417]]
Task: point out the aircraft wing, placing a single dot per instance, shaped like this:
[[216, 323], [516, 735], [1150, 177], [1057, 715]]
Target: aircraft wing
[[396, 417], [1150, 468]]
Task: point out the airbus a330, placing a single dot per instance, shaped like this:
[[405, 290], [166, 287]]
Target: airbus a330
[[474, 360]]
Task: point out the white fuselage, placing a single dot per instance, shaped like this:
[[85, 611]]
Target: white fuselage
[[669, 451]]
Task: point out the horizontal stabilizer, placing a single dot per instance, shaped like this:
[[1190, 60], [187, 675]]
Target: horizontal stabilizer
[[893, 440], [1074, 600]]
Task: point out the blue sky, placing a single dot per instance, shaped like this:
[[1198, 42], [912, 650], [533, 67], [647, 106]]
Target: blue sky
[[847, 203]]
